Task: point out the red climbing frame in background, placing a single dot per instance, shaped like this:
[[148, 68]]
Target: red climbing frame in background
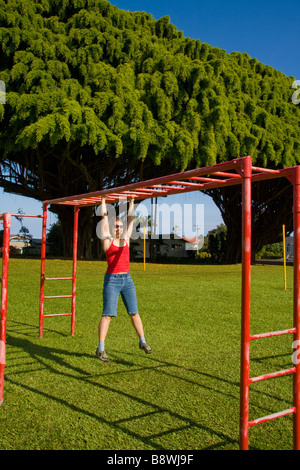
[[43, 278], [5, 219]]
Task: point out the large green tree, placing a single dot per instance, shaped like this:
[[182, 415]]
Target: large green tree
[[97, 97]]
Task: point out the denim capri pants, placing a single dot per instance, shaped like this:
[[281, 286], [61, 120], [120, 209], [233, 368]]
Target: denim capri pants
[[113, 286]]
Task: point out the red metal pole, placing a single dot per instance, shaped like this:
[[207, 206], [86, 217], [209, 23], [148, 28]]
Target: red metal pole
[[75, 239], [296, 383], [5, 263], [43, 258], [245, 317]]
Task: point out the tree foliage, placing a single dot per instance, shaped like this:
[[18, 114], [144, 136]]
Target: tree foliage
[[217, 243], [97, 96]]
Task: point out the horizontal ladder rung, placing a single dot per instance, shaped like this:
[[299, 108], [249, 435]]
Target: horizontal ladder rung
[[272, 416], [58, 297], [58, 278], [272, 333], [271, 375], [58, 315]]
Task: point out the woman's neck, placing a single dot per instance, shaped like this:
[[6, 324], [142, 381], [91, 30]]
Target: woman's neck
[[119, 241]]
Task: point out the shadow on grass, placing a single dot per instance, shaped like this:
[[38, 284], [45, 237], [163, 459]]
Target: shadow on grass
[[57, 361]]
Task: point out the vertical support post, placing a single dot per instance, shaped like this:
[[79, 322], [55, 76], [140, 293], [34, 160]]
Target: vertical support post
[[75, 240], [43, 258], [5, 263], [296, 344], [144, 248], [284, 256], [246, 174]]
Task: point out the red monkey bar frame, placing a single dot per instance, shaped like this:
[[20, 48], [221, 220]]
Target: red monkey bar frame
[[238, 171]]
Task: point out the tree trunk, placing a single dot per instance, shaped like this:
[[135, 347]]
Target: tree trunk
[[86, 230]]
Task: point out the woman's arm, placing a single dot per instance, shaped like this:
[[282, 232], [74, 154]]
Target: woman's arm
[[130, 219], [105, 232]]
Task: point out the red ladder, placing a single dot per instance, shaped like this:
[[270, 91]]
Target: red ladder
[[271, 375], [246, 337], [72, 296], [245, 423]]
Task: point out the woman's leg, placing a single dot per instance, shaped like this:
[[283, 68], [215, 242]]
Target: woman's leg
[[128, 294], [103, 327], [138, 325], [102, 330], [111, 290]]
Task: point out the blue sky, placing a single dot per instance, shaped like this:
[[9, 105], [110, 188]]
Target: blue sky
[[267, 30]]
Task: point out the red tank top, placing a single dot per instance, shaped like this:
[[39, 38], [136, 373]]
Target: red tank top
[[117, 258]]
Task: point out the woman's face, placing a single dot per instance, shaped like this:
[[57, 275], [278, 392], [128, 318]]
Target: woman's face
[[118, 229]]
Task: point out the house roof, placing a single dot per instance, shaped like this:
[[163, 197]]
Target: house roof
[[19, 236], [190, 239]]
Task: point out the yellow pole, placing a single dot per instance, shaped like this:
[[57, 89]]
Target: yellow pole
[[144, 248], [284, 260]]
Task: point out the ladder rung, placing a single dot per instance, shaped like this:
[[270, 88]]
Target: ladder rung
[[57, 278], [272, 416], [57, 315], [57, 297], [272, 333], [271, 375]]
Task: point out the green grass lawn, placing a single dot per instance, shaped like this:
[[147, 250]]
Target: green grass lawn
[[185, 395]]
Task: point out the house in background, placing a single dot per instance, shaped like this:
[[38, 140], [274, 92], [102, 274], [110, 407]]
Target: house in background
[[24, 245], [18, 243], [165, 246], [289, 248]]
